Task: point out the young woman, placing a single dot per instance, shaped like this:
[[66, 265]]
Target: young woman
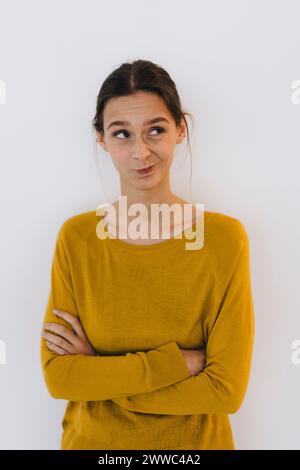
[[151, 343]]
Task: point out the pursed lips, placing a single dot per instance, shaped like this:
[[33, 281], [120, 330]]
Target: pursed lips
[[146, 168]]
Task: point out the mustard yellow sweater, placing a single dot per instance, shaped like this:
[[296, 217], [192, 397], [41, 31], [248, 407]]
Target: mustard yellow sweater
[[139, 304]]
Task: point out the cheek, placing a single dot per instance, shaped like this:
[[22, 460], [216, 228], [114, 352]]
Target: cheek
[[117, 147], [165, 149], [120, 156], [166, 154]]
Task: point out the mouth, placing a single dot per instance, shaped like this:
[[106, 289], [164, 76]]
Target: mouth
[[145, 171]]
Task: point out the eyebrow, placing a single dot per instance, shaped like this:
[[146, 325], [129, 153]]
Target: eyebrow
[[152, 121]]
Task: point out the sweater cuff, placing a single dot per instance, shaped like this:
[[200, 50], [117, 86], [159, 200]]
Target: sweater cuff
[[173, 366]]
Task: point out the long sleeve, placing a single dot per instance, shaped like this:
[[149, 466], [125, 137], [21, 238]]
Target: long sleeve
[[84, 378], [221, 386]]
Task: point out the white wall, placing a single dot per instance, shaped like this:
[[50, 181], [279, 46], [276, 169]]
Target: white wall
[[234, 63]]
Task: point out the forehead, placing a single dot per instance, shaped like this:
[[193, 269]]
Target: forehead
[[136, 108]]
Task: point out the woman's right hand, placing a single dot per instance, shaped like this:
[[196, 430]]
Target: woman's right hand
[[195, 359]]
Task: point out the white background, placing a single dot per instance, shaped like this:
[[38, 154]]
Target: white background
[[233, 63]]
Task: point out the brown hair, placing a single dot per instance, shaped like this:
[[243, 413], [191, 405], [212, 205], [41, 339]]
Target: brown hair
[[140, 75]]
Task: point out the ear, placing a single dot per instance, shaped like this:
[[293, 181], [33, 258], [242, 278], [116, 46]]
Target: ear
[[101, 141], [181, 132]]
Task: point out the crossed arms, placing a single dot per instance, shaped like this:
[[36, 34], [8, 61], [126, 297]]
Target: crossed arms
[[158, 381]]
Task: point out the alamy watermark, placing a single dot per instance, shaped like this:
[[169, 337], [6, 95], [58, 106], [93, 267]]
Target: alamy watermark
[[295, 356], [139, 227], [2, 352], [295, 96], [2, 92]]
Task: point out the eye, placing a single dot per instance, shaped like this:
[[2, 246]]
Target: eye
[[123, 131], [161, 129]]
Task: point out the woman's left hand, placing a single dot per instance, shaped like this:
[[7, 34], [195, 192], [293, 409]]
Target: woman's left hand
[[66, 340]]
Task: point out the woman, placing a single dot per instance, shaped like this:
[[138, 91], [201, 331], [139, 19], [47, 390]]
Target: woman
[[151, 343]]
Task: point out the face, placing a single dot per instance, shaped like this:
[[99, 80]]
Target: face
[[135, 143]]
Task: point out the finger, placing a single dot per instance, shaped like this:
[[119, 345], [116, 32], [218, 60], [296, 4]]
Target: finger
[[73, 320], [56, 348], [63, 331], [61, 342]]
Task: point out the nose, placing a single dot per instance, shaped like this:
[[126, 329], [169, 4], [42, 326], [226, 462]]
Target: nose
[[140, 151]]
